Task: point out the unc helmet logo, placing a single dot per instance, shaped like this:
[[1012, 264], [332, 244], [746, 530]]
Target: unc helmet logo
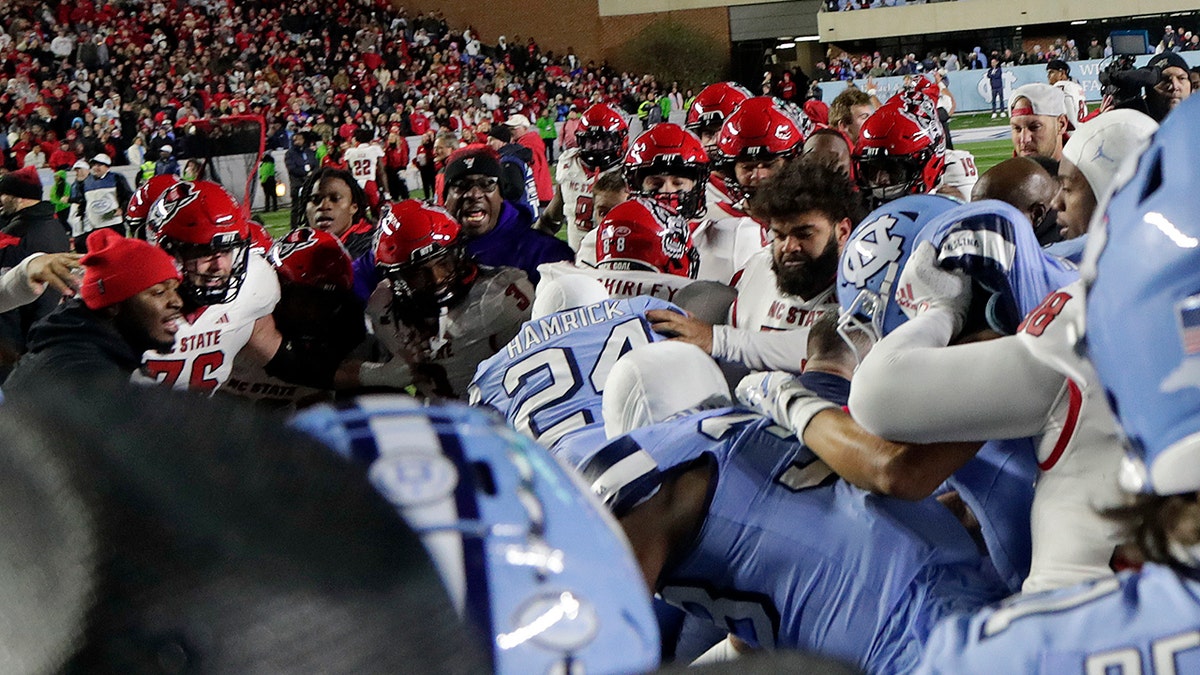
[[871, 250]]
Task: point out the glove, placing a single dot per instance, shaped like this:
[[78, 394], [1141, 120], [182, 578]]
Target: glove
[[394, 374], [924, 286], [781, 397]]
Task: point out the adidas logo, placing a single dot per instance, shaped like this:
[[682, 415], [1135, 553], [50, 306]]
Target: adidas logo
[[224, 319]]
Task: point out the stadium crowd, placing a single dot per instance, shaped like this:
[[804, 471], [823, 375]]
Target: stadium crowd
[[113, 77], [832, 390]]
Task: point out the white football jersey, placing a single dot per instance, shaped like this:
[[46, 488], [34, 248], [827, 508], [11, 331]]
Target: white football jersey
[[961, 175], [467, 334], [761, 306], [363, 160], [717, 199], [210, 338], [1079, 454], [575, 180], [1076, 100], [726, 244], [620, 284]]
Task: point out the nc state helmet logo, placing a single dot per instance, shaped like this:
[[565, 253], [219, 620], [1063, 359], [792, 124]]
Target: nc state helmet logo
[[168, 205], [297, 240]]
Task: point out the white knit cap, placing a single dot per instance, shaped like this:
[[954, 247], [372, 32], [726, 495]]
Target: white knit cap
[[653, 382], [1097, 148]]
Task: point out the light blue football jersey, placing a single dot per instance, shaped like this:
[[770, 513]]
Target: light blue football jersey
[[791, 556], [548, 380], [1136, 622]]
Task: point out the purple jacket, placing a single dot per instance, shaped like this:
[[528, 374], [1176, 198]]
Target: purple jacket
[[512, 243]]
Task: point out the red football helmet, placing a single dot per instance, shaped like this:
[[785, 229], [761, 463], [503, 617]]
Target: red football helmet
[[197, 219], [260, 240], [142, 200], [640, 234], [669, 149], [713, 104], [926, 86], [315, 258], [602, 137], [412, 235], [899, 151], [757, 131]]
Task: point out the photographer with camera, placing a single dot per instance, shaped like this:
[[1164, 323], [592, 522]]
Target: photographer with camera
[[1173, 86], [1154, 90]]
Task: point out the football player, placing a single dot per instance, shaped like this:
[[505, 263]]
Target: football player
[[548, 380], [642, 249], [437, 312], [1140, 311], [228, 295], [710, 500], [668, 164], [601, 141], [365, 161], [705, 116], [317, 308], [754, 143], [1037, 386], [811, 208], [901, 149]]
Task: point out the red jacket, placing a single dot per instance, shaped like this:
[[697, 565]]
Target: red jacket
[[541, 167]]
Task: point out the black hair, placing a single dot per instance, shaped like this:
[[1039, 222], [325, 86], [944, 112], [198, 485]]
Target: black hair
[[299, 214], [807, 184]]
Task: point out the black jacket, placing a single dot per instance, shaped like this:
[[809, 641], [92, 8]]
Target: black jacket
[[73, 343], [36, 229]]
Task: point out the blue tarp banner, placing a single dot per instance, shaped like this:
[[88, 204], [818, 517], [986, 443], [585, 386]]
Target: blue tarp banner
[[972, 91]]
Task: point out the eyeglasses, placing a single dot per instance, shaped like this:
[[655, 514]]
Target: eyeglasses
[[486, 184]]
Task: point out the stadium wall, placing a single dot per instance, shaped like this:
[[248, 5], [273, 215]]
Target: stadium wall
[[559, 24], [966, 15]]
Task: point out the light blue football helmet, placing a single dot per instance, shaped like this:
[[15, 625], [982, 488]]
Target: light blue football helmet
[[1142, 267], [872, 259], [527, 554]]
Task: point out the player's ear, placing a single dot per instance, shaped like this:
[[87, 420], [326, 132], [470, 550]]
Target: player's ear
[[842, 230], [1062, 124]]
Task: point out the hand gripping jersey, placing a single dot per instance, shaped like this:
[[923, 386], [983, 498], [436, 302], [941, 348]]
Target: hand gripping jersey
[[1145, 622], [548, 380], [791, 557], [1079, 453], [466, 334], [210, 338], [576, 180], [620, 284]]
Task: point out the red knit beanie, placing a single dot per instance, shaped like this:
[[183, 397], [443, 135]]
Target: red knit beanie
[[23, 183], [116, 268]]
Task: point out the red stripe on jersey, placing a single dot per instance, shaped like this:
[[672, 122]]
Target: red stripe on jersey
[[1074, 402]]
